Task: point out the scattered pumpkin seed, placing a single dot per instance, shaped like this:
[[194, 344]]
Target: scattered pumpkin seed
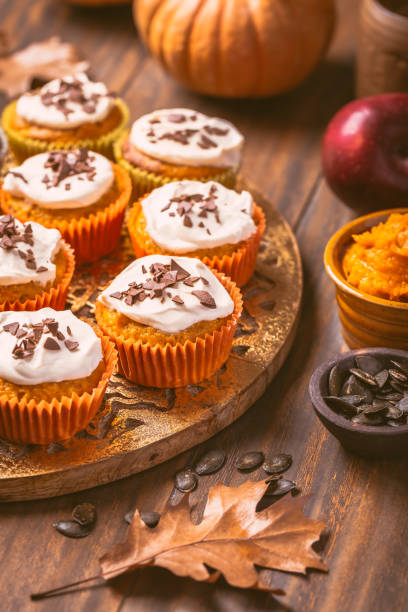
[[249, 461], [150, 518], [84, 514], [278, 464], [72, 529], [185, 480], [210, 463], [280, 486]]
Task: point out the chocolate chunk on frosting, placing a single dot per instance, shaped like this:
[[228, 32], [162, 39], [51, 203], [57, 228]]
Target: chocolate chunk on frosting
[[66, 103], [183, 136], [34, 349], [168, 293], [184, 216], [62, 179]]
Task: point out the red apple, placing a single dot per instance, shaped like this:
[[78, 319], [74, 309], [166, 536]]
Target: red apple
[[365, 152]]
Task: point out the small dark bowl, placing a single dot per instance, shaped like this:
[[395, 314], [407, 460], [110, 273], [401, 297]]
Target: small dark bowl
[[366, 440]]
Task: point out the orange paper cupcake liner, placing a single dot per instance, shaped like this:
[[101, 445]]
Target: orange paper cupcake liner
[[29, 422], [239, 266], [55, 297], [95, 236], [177, 365]]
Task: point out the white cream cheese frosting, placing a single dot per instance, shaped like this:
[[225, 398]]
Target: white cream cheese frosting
[[59, 347], [27, 251], [61, 179], [168, 293], [184, 216], [183, 136], [66, 103]]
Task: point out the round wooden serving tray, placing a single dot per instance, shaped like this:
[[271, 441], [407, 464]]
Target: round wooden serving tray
[[139, 427]]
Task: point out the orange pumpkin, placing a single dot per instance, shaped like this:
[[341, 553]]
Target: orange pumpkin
[[237, 48]]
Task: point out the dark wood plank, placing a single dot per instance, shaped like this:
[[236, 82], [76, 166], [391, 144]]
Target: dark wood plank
[[363, 501]]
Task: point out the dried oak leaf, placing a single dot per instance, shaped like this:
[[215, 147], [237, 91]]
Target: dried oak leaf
[[45, 60], [231, 538]]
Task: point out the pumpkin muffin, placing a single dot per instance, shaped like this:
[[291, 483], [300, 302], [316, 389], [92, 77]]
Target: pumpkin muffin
[[53, 374], [78, 192], [172, 320], [36, 266], [65, 113], [174, 144], [221, 227]]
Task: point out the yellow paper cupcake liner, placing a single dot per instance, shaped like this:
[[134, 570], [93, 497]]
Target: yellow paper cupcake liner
[[23, 147], [144, 181]]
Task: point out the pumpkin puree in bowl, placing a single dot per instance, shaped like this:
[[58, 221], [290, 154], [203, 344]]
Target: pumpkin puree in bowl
[[377, 262]]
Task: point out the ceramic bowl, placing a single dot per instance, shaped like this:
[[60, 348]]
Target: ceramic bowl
[[365, 440], [366, 320]]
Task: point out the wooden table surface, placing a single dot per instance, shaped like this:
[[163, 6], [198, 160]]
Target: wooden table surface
[[364, 502]]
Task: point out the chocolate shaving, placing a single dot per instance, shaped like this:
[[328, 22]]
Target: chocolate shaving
[[187, 221], [177, 299], [12, 328], [64, 164], [19, 176], [205, 298], [70, 93], [41, 269], [51, 344], [215, 131], [206, 143], [71, 345], [176, 118]]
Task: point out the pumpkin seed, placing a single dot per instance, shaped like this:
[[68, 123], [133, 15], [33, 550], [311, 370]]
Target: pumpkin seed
[[369, 364], [150, 518], [84, 514], [185, 480], [72, 529], [278, 464], [373, 393], [400, 366], [394, 413], [365, 377], [280, 486], [335, 380], [381, 378], [250, 460], [210, 463], [398, 376], [129, 516]]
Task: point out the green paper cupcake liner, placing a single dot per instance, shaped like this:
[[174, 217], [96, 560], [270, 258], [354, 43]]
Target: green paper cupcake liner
[[23, 147], [144, 181]]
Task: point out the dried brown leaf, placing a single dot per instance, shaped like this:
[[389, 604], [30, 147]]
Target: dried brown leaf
[[231, 538], [45, 60]]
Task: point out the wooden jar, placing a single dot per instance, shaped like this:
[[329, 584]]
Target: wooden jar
[[382, 50]]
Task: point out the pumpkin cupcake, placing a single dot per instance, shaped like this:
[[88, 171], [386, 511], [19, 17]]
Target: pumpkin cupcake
[[36, 266], [65, 113], [54, 370], [78, 192], [174, 144], [221, 227], [172, 320]]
